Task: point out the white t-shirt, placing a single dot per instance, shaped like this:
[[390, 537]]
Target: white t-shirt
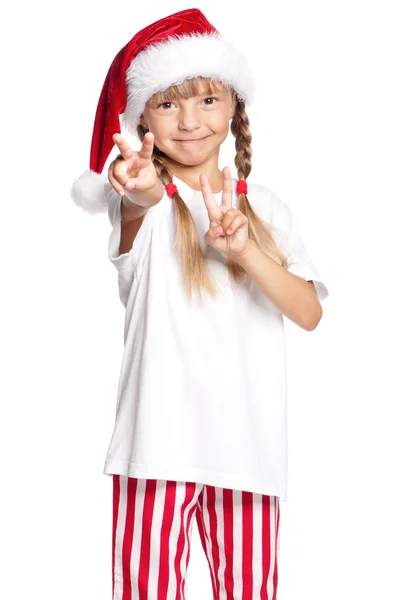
[[202, 389]]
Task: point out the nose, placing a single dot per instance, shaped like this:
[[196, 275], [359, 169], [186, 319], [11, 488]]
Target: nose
[[189, 118]]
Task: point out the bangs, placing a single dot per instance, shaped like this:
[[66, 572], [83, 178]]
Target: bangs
[[197, 86]]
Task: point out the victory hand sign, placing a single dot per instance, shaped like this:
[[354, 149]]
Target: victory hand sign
[[132, 170], [228, 231]]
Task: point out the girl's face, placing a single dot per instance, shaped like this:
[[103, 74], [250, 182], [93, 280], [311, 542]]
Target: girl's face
[[188, 128]]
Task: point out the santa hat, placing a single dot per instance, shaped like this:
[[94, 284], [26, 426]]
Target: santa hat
[[181, 46]]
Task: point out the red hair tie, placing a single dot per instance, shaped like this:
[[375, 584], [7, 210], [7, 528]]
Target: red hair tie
[[241, 187], [171, 189]]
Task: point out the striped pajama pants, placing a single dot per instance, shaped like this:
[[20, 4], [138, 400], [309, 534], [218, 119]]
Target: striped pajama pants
[[152, 526]]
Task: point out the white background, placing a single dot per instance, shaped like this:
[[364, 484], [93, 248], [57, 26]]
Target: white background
[[325, 130]]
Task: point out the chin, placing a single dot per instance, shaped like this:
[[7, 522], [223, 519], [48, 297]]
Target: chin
[[186, 158], [188, 161]]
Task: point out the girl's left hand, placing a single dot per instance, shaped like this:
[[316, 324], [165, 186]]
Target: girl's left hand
[[228, 231]]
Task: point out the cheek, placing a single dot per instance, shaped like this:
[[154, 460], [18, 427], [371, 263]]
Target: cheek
[[219, 124], [160, 131], [157, 132], [163, 144], [221, 128]]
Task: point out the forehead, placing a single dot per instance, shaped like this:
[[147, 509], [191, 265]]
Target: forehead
[[197, 86]]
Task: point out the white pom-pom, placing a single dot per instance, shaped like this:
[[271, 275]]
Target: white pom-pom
[[88, 192]]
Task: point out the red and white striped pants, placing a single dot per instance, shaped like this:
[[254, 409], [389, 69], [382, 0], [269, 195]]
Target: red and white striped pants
[[152, 526]]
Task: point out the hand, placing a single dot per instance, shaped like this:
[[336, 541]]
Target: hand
[[131, 170], [228, 232]]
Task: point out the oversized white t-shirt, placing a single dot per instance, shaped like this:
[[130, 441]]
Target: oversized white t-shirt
[[202, 388]]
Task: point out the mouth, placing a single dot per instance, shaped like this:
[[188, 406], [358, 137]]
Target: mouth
[[196, 141]]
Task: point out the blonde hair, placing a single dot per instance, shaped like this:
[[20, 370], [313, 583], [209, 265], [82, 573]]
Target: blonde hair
[[196, 272]]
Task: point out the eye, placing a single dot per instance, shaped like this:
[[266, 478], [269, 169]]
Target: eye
[[210, 98], [163, 104]]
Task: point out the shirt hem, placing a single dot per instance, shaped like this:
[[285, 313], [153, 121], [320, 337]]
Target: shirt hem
[[187, 473]]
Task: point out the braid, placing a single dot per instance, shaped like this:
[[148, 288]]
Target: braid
[[257, 230], [241, 131], [243, 139]]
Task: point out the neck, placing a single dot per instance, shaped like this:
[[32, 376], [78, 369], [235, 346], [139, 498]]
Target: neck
[[189, 174]]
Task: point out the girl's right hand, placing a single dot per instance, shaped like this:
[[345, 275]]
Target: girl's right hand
[[131, 170]]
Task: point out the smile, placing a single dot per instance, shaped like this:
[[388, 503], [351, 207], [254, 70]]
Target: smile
[[191, 141]]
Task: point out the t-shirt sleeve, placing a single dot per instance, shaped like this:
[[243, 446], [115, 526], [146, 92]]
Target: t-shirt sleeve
[[290, 241], [130, 259]]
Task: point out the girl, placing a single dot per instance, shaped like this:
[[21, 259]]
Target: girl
[[207, 267]]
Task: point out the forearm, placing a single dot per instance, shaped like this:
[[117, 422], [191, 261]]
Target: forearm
[[292, 295]]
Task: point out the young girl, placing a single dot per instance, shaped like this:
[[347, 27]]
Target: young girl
[[207, 265]]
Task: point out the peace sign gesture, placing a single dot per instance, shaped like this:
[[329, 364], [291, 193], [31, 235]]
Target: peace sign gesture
[[228, 231], [132, 170]]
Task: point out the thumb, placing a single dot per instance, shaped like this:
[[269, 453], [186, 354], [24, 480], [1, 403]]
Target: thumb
[[213, 234]]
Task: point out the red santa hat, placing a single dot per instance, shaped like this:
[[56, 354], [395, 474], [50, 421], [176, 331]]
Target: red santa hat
[[181, 46]]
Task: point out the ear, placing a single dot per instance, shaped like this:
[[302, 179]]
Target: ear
[[142, 122], [233, 107]]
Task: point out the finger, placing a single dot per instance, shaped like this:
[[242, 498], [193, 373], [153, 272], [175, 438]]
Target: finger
[[125, 150], [239, 221], [229, 216], [147, 146], [213, 234], [144, 181], [213, 209], [113, 181], [120, 173], [215, 224], [227, 188], [117, 171]]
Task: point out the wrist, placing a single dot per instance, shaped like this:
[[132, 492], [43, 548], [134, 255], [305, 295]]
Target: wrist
[[243, 257]]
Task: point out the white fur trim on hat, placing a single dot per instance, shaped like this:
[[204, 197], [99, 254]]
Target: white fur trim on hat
[[183, 57], [88, 192]]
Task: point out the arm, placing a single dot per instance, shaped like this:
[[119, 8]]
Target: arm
[[133, 207], [295, 297], [136, 203]]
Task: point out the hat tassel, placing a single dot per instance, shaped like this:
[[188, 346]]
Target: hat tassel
[[88, 192]]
